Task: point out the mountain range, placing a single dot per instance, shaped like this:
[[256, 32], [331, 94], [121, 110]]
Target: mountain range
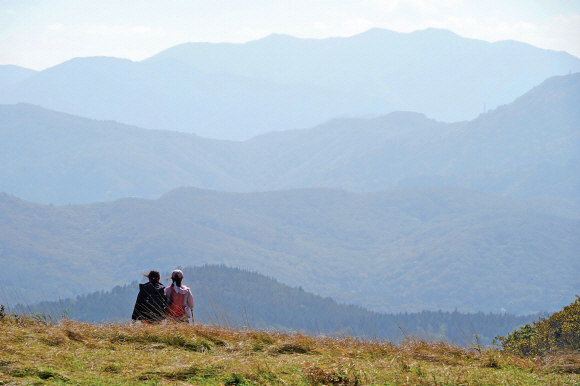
[[237, 91], [371, 198], [528, 149], [390, 251]]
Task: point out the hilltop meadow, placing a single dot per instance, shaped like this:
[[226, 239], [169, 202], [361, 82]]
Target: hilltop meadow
[[37, 351]]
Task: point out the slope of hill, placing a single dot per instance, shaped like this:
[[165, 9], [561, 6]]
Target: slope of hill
[[57, 158], [170, 95], [390, 251], [236, 91], [529, 148], [234, 298], [83, 354], [10, 74]]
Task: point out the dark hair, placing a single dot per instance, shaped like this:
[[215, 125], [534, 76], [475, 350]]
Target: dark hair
[[153, 275], [176, 280]]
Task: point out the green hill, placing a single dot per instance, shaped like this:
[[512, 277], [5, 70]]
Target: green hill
[[389, 251], [231, 297]]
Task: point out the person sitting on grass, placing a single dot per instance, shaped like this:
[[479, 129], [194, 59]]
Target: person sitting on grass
[[151, 303], [180, 299]]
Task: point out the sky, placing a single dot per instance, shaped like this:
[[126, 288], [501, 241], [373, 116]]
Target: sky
[[38, 34]]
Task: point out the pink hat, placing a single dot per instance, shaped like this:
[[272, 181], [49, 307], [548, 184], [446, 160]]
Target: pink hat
[[177, 273]]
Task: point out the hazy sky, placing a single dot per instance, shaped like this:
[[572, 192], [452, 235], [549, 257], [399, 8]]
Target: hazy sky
[[38, 34]]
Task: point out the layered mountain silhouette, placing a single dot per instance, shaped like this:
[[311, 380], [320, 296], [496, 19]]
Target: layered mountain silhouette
[[236, 91], [387, 206], [528, 148], [391, 251]]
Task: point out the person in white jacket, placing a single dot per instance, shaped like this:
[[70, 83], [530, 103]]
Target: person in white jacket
[[180, 299]]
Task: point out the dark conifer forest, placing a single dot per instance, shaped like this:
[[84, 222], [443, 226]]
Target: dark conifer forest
[[231, 297]]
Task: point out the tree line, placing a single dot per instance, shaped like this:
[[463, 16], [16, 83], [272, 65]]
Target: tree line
[[233, 297]]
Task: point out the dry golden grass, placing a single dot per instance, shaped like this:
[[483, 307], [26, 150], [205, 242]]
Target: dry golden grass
[[69, 352]]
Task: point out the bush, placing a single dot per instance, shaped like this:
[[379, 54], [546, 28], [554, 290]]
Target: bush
[[560, 331]]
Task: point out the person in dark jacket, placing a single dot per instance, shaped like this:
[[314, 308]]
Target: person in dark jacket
[[151, 304]]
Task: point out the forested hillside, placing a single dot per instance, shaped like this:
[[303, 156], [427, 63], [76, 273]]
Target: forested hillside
[[232, 297], [527, 149], [390, 251]]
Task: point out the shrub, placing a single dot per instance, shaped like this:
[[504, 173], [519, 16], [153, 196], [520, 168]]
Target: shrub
[[560, 331]]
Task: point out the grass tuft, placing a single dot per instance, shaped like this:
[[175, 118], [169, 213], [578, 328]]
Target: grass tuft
[[564, 362]]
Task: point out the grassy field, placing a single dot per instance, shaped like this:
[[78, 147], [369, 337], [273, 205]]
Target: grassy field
[[36, 352]]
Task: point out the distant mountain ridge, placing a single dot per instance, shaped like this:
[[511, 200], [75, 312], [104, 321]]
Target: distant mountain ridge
[[171, 95], [237, 91], [10, 74], [389, 251], [529, 148]]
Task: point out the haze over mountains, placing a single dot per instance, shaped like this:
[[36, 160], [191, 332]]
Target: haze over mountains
[[390, 251], [10, 74], [528, 148], [398, 212], [236, 91]]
